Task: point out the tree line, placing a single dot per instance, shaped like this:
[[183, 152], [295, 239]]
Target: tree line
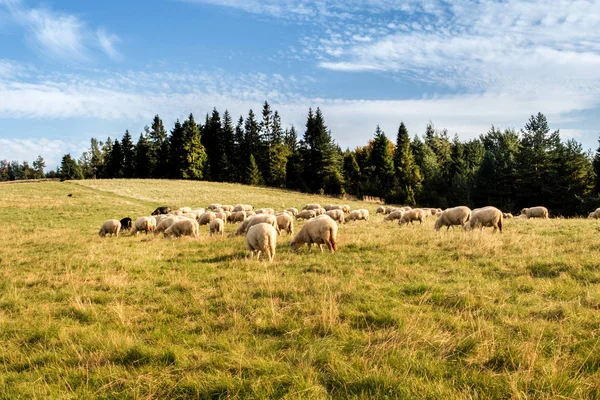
[[506, 168]]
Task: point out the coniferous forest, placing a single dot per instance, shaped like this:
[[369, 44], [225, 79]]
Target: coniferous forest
[[505, 168]]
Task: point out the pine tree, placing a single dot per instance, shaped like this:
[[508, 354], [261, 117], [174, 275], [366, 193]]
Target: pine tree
[[253, 176], [114, 167], [69, 169], [264, 160], [351, 174], [176, 151], [128, 148], [229, 150], [239, 154], [213, 143], [96, 158], [596, 166], [251, 139]]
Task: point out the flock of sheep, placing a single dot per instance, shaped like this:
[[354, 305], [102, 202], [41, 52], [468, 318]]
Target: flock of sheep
[[262, 226]]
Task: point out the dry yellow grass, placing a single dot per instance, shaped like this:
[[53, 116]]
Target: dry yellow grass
[[397, 312]]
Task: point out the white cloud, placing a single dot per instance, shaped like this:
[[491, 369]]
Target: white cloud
[[107, 44], [57, 35]]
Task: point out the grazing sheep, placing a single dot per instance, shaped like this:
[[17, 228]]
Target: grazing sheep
[[507, 215], [238, 207], [319, 211], [285, 222], [217, 226], [214, 206], [337, 215], [205, 218], [185, 210], [380, 210], [165, 223], [426, 212], [394, 215], [190, 215], [453, 216], [306, 214], [486, 216], [269, 211], [198, 211], [126, 223], [292, 210], [257, 219], [237, 216], [321, 230], [346, 208], [142, 224], [357, 215], [227, 207], [152, 222], [535, 212], [183, 227], [161, 210], [224, 215], [416, 214], [261, 238], [250, 213], [110, 227], [595, 214], [312, 206]]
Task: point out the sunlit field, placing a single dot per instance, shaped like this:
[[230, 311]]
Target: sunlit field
[[397, 312]]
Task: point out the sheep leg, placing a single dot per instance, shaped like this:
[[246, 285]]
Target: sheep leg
[[258, 255], [321, 247]]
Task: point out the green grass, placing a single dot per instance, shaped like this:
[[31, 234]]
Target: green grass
[[395, 313]]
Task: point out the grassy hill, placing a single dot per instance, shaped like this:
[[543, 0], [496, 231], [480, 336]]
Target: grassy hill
[[397, 312]]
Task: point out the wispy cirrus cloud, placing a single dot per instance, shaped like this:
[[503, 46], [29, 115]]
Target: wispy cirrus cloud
[[58, 35]]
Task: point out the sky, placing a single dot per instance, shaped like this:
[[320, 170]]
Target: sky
[[71, 70]]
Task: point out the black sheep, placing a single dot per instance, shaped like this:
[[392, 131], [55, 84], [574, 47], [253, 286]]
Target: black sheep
[[161, 210], [126, 223]]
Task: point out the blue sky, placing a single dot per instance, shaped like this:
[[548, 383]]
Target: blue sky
[[71, 70]]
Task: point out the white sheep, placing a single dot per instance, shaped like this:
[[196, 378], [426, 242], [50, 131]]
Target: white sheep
[[306, 214], [285, 222], [237, 216], [311, 206], [321, 230], [394, 215], [337, 215], [257, 219], [183, 227], [110, 227], [261, 238], [165, 223], [217, 226], [535, 212], [143, 224], [416, 214], [204, 219], [453, 216], [486, 216], [357, 215]]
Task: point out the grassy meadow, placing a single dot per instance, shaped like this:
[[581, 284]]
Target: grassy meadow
[[397, 312]]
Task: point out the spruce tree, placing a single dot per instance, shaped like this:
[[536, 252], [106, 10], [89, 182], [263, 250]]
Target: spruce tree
[[253, 176], [228, 146], [114, 167], [69, 169], [213, 144], [176, 151], [193, 157], [128, 150], [157, 149], [407, 173], [382, 163], [596, 166], [238, 162], [141, 161]]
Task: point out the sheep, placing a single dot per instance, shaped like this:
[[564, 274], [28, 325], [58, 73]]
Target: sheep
[[205, 218], [110, 227], [535, 212], [161, 210], [250, 213], [257, 219], [319, 211], [311, 206], [269, 211], [238, 207], [125, 223], [357, 215], [394, 215], [165, 223], [346, 208], [329, 207], [213, 206], [185, 209], [306, 214], [486, 216], [217, 226], [237, 216], [595, 214], [152, 222], [453, 216], [162, 217], [224, 215], [336, 215], [321, 230], [261, 238], [227, 207], [380, 210], [198, 211], [183, 227], [426, 212], [217, 210], [416, 214], [507, 215], [285, 222], [292, 210], [190, 215], [142, 224]]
